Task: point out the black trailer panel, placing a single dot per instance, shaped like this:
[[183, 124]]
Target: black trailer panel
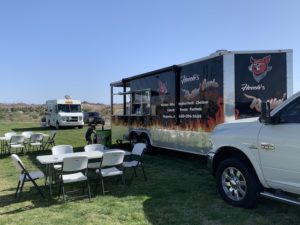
[[177, 107], [259, 77]]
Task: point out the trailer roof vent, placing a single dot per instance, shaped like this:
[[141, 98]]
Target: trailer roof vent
[[68, 97], [221, 51]]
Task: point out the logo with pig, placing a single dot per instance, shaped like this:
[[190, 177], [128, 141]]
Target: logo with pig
[[260, 67]]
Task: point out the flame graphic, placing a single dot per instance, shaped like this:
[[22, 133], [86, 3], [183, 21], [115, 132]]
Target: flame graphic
[[191, 124]]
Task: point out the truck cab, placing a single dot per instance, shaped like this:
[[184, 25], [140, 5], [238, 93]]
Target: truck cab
[[64, 113], [259, 156]]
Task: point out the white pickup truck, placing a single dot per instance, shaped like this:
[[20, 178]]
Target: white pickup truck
[[259, 156]]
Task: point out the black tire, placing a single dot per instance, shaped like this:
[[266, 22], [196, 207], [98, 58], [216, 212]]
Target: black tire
[[144, 139], [237, 183], [133, 138]]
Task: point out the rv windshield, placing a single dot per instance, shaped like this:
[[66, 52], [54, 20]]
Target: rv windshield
[[69, 108]]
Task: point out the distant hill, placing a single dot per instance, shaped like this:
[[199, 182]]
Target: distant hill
[[21, 112], [34, 112]]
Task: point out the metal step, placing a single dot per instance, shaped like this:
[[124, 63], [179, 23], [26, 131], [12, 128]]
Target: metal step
[[281, 198]]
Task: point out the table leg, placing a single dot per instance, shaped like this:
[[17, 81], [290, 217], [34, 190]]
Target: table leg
[[50, 179], [2, 147]]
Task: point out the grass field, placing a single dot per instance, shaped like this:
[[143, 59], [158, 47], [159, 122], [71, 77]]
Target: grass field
[[179, 190]]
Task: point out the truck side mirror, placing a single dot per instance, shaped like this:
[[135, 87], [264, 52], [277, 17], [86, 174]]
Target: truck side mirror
[[265, 113]]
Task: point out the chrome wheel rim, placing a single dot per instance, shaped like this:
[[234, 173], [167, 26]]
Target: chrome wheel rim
[[234, 184]]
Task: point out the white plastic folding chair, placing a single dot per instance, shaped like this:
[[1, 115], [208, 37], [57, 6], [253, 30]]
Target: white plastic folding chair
[[5, 141], [27, 134], [94, 147], [16, 142], [8, 135], [50, 141], [74, 170], [136, 160], [58, 150], [26, 176], [61, 149], [35, 141], [111, 165]]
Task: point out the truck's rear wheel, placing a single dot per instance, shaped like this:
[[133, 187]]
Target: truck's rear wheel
[[237, 183], [134, 138]]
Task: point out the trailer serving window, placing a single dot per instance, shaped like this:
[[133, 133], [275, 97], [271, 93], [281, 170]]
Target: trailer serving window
[[118, 99], [140, 102]]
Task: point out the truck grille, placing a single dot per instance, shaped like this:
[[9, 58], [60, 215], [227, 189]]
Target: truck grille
[[72, 119]]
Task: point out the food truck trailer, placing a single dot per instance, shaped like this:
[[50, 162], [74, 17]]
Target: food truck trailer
[[177, 107]]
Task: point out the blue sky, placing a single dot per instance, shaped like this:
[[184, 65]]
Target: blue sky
[[51, 48]]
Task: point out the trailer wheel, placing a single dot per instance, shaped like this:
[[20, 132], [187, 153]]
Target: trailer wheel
[[145, 139], [237, 183], [134, 138]]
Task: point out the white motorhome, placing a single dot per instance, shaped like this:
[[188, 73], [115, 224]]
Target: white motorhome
[[64, 113]]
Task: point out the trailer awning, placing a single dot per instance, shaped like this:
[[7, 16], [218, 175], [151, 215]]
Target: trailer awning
[[128, 79]]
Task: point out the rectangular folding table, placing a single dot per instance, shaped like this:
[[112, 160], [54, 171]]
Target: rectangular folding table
[[49, 160]]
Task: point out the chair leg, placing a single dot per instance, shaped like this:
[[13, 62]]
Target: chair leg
[[35, 185], [60, 188], [102, 182], [89, 189], [135, 171], [63, 190], [20, 191], [97, 183], [46, 146], [18, 188], [123, 179], [38, 188], [144, 172], [83, 187], [46, 174]]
